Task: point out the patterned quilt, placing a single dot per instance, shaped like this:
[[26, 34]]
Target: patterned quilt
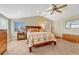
[[39, 37]]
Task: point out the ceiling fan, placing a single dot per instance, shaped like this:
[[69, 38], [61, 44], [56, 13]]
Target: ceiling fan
[[56, 8]]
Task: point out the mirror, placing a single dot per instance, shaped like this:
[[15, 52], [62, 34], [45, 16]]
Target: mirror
[[72, 24]]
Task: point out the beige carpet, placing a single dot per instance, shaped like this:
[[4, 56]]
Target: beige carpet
[[62, 48]]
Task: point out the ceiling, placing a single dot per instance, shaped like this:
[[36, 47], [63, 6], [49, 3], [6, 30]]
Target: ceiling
[[22, 10], [69, 11], [28, 10]]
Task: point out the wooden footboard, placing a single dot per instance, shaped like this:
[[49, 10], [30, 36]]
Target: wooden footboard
[[41, 44]]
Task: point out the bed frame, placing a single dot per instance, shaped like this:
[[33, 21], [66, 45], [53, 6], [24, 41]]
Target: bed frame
[[41, 44], [38, 29]]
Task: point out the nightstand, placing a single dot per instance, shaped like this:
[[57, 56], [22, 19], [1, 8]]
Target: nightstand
[[21, 35]]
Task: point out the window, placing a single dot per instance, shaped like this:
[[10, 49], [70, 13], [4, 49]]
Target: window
[[20, 26], [72, 24]]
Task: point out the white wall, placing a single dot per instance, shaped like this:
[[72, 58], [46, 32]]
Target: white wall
[[68, 13], [3, 22], [13, 35], [60, 28]]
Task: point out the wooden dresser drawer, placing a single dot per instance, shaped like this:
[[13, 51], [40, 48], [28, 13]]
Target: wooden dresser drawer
[[3, 41], [2, 49], [3, 36]]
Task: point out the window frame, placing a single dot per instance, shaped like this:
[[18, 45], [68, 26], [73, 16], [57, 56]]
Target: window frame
[[69, 27]]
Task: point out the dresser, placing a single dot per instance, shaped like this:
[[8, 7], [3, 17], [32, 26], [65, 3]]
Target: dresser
[[3, 41], [71, 38], [21, 36]]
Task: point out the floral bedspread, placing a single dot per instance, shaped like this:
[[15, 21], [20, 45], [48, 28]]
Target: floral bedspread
[[39, 37]]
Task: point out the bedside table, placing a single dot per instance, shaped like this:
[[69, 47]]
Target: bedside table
[[21, 36]]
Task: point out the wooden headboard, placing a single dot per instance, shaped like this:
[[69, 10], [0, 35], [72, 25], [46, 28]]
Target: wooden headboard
[[34, 28]]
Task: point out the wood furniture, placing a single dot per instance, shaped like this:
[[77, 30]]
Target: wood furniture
[[34, 28], [42, 44], [21, 35], [71, 38], [3, 41]]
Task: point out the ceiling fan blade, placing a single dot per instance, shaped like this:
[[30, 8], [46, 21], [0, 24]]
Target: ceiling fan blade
[[54, 6], [52, 12], [49, 10], [59, 11], [62, 6]]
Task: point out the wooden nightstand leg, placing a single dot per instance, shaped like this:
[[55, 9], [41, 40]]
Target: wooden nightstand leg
[[30, 49], [54, 42]]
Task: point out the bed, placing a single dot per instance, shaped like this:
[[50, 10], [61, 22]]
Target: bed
[[35, 39]]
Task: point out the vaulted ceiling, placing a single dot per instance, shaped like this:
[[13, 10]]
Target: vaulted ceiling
[[22, 10], [69, 11], [28, 10]]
